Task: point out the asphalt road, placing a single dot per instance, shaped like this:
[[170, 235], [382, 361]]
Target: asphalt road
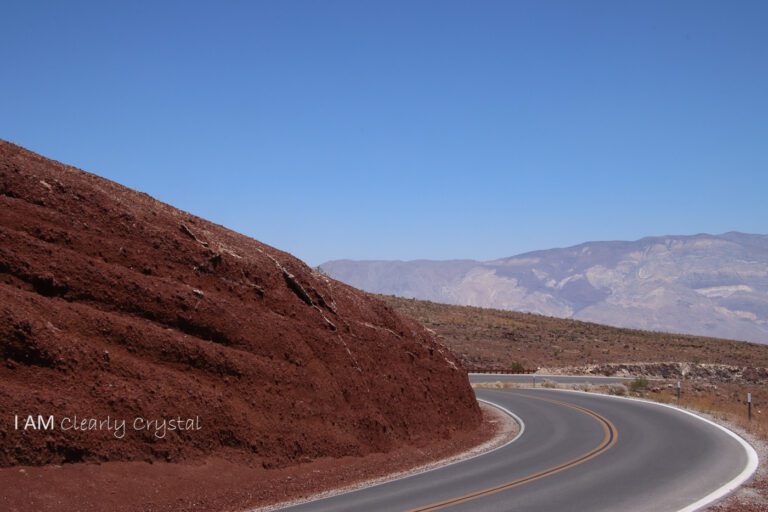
[[577, 452], [531, 379]]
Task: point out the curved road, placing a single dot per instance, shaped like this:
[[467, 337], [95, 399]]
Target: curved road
[[577, 451], [532, 379]]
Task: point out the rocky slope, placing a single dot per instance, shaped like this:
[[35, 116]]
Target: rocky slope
[[113, 304], [494, 339], [703, 284]]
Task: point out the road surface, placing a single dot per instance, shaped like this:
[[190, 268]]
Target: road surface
[[530, 379], [577, 451]]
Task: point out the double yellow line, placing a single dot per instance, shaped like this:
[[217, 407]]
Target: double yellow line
[[610, 435]]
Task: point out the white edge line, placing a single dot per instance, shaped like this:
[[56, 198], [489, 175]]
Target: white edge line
[[517, 418], [514, 416], [721, 492]]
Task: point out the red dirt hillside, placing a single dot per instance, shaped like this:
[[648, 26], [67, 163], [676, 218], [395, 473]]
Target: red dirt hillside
[[115, 304]]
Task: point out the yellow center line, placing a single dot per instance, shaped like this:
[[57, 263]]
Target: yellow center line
[[610, 435]]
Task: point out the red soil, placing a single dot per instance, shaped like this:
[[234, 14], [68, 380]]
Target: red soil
[[214, 483], [115, 304]]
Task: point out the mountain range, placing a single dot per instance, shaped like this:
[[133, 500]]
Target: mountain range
[[711, 285]]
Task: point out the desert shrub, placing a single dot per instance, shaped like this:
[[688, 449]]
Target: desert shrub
[[617, 389], [638, 385], [549, 384]]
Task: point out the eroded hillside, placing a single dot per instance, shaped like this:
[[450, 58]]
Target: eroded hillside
[[113, 304]]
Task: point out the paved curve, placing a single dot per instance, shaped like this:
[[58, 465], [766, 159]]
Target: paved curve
[[577, 452], [530, 379]]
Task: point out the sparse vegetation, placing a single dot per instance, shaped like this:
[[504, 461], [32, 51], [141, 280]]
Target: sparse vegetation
[[495, 339], [617, 389], [639, 385]]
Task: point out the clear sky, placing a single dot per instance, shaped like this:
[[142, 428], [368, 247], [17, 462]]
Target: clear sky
[[404, 130]]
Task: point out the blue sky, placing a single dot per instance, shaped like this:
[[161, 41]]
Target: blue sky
[[403, 130]]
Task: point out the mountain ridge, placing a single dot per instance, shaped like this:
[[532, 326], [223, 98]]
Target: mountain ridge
[[699, 284]]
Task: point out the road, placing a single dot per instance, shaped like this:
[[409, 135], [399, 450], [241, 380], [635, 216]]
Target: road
[[531, 379], [577, 451]]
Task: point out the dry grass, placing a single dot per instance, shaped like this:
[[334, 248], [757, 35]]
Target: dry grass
[[607, 389]]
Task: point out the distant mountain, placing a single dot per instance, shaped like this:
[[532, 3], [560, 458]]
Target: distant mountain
[[712, 285]]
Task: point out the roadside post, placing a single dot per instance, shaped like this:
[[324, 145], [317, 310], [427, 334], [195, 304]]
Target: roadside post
[[678, 391], [534, 381], [749, 406]]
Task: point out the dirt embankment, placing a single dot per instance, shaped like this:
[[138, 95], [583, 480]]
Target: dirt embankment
[[115, 305]]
